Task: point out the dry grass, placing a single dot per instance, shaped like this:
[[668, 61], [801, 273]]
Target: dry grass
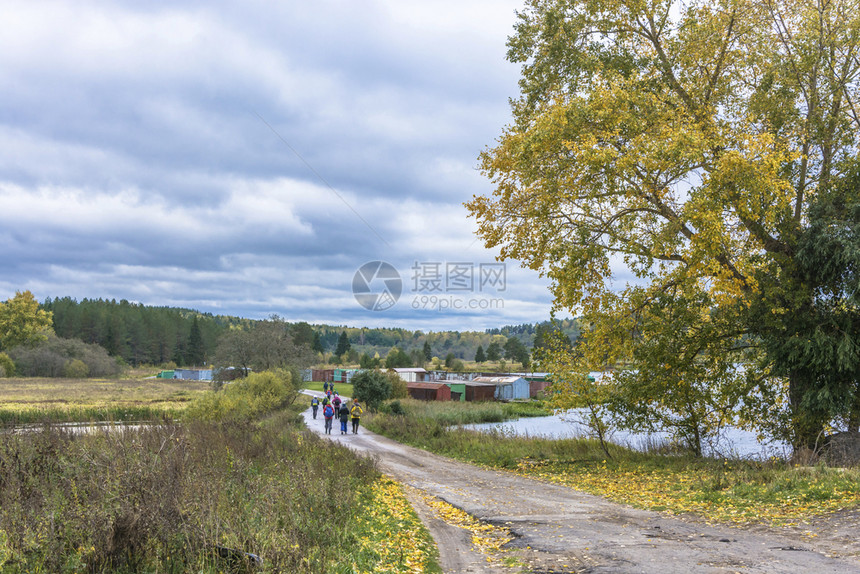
[[17, 394]]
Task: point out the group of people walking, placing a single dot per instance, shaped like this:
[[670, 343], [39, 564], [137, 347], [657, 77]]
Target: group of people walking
[[334, 406]]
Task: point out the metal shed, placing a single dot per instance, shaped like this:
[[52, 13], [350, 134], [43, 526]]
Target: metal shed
[[507, 388], [458, 390], [193, 374], [429, 391], [412, 374], [479, 391]]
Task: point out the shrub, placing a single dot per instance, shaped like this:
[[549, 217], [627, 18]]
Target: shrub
[[49, 359], [246, 399], [371, 387], [7, 366], [398, 386], [76, 369]]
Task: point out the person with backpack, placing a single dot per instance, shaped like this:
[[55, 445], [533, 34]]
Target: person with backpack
[[335, 401], [356, 412], [343, 415], [328, 415], [315, 404], [325, 387]]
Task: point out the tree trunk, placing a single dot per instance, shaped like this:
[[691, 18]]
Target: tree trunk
[[806, 424]]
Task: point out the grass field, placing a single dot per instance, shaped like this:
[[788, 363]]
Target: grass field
[[36, 400], [342, 389], [29, 393]]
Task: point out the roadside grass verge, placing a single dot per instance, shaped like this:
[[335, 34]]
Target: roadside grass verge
[[726, 491], [202, 497]]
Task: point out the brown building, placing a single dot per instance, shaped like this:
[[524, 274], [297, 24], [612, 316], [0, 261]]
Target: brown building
[[479, 391], [538, 386], [429, 391]]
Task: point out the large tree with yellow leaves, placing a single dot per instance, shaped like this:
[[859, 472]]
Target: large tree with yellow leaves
[[686, 143], [22, 322]]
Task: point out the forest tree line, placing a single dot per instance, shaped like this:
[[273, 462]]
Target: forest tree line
[[138, 334]]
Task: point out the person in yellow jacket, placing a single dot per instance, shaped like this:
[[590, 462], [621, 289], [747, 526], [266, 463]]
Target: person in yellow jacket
[[355, 411]]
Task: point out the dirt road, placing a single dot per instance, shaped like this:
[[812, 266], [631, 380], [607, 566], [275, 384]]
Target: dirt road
[[559, 529]]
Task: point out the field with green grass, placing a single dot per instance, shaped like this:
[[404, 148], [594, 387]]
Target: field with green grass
[[342, 389]]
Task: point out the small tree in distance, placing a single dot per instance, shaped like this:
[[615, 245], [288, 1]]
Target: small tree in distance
[[371, 388], [479, 355]]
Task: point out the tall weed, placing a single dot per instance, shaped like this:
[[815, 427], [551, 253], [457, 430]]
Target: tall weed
[[167, 497]]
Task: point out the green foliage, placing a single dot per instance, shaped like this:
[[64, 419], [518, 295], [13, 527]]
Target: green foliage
[[544, 331], [139, 334], [399, 390], [703, 184], [811, 331], [516, 351], [394, 407], [480, 357], [22, 322], [303, 334], [7, 364], [494, 352], [246, 399], [365, 361], [397, 358], [196, 354], [76, 369], [343, 345], [371, 388]]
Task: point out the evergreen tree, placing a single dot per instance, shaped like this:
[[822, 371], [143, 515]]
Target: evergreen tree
[[343, 345], [317, 343], [428, 352], [479, 355], [196, 349]]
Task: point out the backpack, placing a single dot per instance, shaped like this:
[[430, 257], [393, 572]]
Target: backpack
[[315, 402], [328, 412]]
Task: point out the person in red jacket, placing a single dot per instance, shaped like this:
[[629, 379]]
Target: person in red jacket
[[328, 415]]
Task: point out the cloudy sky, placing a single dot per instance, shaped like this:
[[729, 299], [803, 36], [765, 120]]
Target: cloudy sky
[[247, 158]]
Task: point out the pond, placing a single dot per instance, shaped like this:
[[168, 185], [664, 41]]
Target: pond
[[732, 442]]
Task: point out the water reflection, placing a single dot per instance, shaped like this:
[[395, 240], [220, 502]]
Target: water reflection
[[732, 442]]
